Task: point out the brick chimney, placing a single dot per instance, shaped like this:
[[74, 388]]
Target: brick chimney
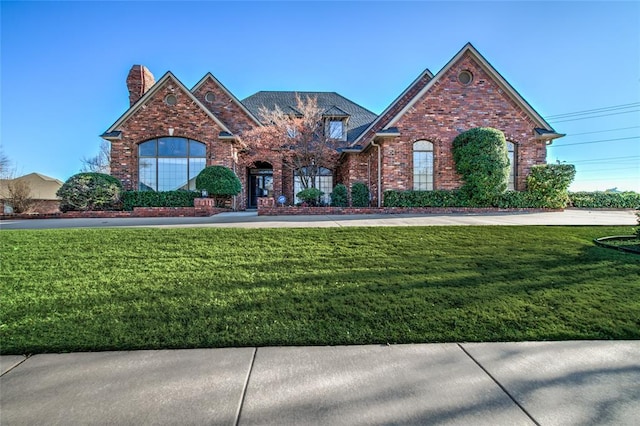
[[139, 81]]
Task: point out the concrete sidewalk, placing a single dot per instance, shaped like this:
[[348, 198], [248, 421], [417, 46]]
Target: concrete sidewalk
[[545, 383]]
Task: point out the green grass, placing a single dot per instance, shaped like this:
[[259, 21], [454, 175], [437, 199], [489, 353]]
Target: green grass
[[116, 289]]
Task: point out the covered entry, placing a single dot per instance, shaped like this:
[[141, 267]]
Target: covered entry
[[260, 183]]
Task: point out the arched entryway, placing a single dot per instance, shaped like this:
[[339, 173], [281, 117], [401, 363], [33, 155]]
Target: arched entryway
[[260, 183]]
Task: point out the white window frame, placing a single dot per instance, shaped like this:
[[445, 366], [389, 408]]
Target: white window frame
[[423, 159]]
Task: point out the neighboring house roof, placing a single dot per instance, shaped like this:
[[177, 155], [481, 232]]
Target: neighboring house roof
[[149, 94], [42, 187], [333, 104], [489, 69]]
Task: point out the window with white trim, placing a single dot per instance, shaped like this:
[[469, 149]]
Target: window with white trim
[[423, 166], [511, 152]]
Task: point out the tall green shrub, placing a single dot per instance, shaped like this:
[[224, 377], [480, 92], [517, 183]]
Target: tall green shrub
[[339, 196], [90, 191], [220, 183], [481, 158], [548, 184], [359, 195]]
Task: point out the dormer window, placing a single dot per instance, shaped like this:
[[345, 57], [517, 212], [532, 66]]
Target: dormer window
[[336, 129]]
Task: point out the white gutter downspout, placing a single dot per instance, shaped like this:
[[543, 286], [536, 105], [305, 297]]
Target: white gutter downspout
[[379, 173]]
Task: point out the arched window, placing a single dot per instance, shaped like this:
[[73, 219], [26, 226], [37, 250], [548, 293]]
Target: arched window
[[168, 164], [323, 181], [423, 166], [511, 150]]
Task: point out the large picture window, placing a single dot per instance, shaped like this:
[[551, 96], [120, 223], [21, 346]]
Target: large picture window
[[423, 166], [511, 151], [168, 164], [323, 182]]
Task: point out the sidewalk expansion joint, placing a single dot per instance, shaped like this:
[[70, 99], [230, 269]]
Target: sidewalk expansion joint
[[511, 397], [17, 365], [245, 387]]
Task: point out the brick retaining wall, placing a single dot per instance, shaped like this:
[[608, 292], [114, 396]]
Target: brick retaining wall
[[290, 210]]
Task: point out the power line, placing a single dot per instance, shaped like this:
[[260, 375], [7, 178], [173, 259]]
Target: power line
[[618, 161], [597, 110], [598, 141], [607, 170], [602, 131], [594, 116], [606, 158]]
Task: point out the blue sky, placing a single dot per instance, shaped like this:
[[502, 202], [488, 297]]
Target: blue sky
[[64, 65]]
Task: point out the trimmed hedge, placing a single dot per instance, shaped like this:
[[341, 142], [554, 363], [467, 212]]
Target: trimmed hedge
[[131, 199], [90, 192], [339, 197], [425, 199], [359, 195], [598, 199], [548, 183], [481, 158], [310, 196]]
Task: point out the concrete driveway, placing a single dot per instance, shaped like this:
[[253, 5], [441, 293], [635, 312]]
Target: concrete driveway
[[252, 220]]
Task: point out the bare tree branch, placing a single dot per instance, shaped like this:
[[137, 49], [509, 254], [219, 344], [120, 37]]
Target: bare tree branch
[[299, 136], [101, 162]]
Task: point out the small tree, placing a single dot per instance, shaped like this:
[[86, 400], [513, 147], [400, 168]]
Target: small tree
[[482, 159], [298, 135], [219, 182], [359, 195], [339, 196], [19, 196]]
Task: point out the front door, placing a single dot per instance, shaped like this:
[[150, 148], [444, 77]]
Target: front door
[[260, 185]]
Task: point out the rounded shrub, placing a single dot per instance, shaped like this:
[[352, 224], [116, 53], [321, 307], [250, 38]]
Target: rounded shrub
[[311, 196], [359, 195], [482, 159], [339, 196], [219, 182], [549, 184], [90, 191]]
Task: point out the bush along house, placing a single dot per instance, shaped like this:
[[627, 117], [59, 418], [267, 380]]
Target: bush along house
[[170, 133]]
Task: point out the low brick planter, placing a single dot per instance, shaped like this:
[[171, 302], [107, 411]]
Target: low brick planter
[[137, 212], [301, 211]]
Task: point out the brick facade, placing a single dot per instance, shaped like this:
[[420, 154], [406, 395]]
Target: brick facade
[[434, 108]]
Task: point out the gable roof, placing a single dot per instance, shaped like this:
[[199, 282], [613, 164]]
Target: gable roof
[[150, 93], [493, 73], [332, 102], [399, 102], [228, 93]]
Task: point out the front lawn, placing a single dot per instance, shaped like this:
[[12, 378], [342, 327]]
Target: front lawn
[[116, 289]]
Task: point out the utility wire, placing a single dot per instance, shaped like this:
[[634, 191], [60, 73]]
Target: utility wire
[[593, 116], [598, 141], [607, 170], [597, 110], [603, 160], [602, 131]]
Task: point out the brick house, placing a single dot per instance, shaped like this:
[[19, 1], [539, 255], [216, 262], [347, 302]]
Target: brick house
[[170, 133]]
